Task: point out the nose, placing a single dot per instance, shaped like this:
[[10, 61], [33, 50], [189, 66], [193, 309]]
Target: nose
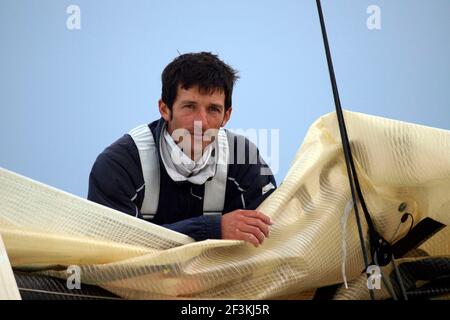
[[201, 119]]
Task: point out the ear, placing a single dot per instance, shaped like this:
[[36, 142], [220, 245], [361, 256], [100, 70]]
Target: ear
[[164, 110], [227, 116]]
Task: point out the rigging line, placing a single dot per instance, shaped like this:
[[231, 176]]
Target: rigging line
[[346, 148], [387, 282]]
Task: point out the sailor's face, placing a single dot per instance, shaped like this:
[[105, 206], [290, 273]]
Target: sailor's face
[[196, 115]]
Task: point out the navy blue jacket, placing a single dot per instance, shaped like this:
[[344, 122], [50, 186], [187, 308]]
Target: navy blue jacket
[[116, 181]]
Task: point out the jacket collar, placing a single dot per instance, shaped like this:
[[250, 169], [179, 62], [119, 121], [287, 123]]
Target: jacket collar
[[156, 129]]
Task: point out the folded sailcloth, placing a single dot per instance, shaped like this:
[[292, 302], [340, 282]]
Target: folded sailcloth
[[47, 230]]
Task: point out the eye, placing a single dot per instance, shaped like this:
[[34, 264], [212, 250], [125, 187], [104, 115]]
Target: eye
[[189, 106], [215, 109]]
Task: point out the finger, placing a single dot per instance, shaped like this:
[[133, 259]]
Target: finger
[[249, 238], [252, 230], [265, 218], [259, 215], [259, 224]]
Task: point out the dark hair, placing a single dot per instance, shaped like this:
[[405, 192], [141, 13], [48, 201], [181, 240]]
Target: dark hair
[[203, 69]]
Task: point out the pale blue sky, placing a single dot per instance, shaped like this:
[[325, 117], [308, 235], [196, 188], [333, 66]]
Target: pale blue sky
[[66, 95]]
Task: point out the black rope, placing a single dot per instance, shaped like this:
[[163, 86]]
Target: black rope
[[379, 246]]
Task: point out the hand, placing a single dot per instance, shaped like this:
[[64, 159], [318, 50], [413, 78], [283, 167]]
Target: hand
[[248, 225]]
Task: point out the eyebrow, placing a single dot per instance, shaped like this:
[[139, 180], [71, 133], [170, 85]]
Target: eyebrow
[[188, 102], [184, 102]]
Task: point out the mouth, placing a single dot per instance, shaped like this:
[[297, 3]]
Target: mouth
[[197, 133], [202, 135]]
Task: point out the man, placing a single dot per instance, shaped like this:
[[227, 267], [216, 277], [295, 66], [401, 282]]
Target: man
[[184, 171]]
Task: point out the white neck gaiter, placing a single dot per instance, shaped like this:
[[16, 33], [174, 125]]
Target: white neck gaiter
[[180, 167]]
